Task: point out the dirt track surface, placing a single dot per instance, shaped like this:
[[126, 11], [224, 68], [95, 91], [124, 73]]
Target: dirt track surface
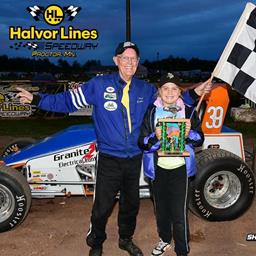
[[57, 227]]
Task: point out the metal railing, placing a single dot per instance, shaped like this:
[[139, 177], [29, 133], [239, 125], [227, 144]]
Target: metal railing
[[249, 103]]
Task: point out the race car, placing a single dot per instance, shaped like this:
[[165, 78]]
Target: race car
[[65, 164]]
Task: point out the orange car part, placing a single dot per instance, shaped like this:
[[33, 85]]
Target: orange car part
[[216, 108]]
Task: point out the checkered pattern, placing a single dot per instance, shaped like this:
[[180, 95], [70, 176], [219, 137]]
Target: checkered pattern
[[32, 45], [35, 11], [72, 11], [26, 45], [237, 65], [17, 46]]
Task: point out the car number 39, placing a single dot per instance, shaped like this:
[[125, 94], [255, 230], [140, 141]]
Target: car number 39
[[216, 117]]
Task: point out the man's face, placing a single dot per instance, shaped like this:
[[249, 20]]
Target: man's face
[[127, 63]]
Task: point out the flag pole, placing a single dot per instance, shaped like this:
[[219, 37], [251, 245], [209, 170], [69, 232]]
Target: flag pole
[[128, 20]]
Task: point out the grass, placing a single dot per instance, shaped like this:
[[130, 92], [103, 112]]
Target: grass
[[38, 127], [247, 129]]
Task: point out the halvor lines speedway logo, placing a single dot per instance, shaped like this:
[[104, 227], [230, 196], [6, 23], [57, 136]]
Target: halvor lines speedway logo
[[10, 106], [53, 15]]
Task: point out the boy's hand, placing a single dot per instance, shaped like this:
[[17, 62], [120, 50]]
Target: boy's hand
[[188, 127], [158, 133]]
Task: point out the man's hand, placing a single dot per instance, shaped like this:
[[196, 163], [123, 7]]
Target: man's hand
[[204, 88], [24, 96]]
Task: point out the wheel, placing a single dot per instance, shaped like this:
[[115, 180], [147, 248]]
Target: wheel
[[17, 145], [223, 188], [15, 198]]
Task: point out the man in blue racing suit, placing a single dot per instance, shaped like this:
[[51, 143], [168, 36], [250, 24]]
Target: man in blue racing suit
[[119, 103]]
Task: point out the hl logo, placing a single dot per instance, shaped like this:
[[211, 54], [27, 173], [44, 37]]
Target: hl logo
[[53, 14], [251, 237]]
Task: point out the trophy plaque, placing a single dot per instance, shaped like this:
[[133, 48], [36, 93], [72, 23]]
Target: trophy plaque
[[172, 137]]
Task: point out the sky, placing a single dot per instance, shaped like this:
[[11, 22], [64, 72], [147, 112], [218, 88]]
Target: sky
[[178, 28]]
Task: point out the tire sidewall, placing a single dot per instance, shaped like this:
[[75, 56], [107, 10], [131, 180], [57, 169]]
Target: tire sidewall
[[242, 172], [20, 143], [20, 199]]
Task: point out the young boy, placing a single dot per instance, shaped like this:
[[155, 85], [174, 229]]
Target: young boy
[[169, 175]]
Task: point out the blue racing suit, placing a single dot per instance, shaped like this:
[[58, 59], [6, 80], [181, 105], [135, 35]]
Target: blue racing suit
[[109, 115]]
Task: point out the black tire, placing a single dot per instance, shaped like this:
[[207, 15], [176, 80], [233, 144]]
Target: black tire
[[15, 198], [223, 188], [17, 145]]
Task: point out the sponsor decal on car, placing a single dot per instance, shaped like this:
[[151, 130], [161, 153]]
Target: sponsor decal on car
[[76, 156], [37, 186], [77, 152]]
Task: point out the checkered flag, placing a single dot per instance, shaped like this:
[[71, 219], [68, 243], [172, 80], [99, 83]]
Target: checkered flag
[[72, 11], [237, 64], [35, 11]]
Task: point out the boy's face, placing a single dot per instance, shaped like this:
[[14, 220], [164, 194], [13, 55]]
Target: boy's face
[[169, 93]]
